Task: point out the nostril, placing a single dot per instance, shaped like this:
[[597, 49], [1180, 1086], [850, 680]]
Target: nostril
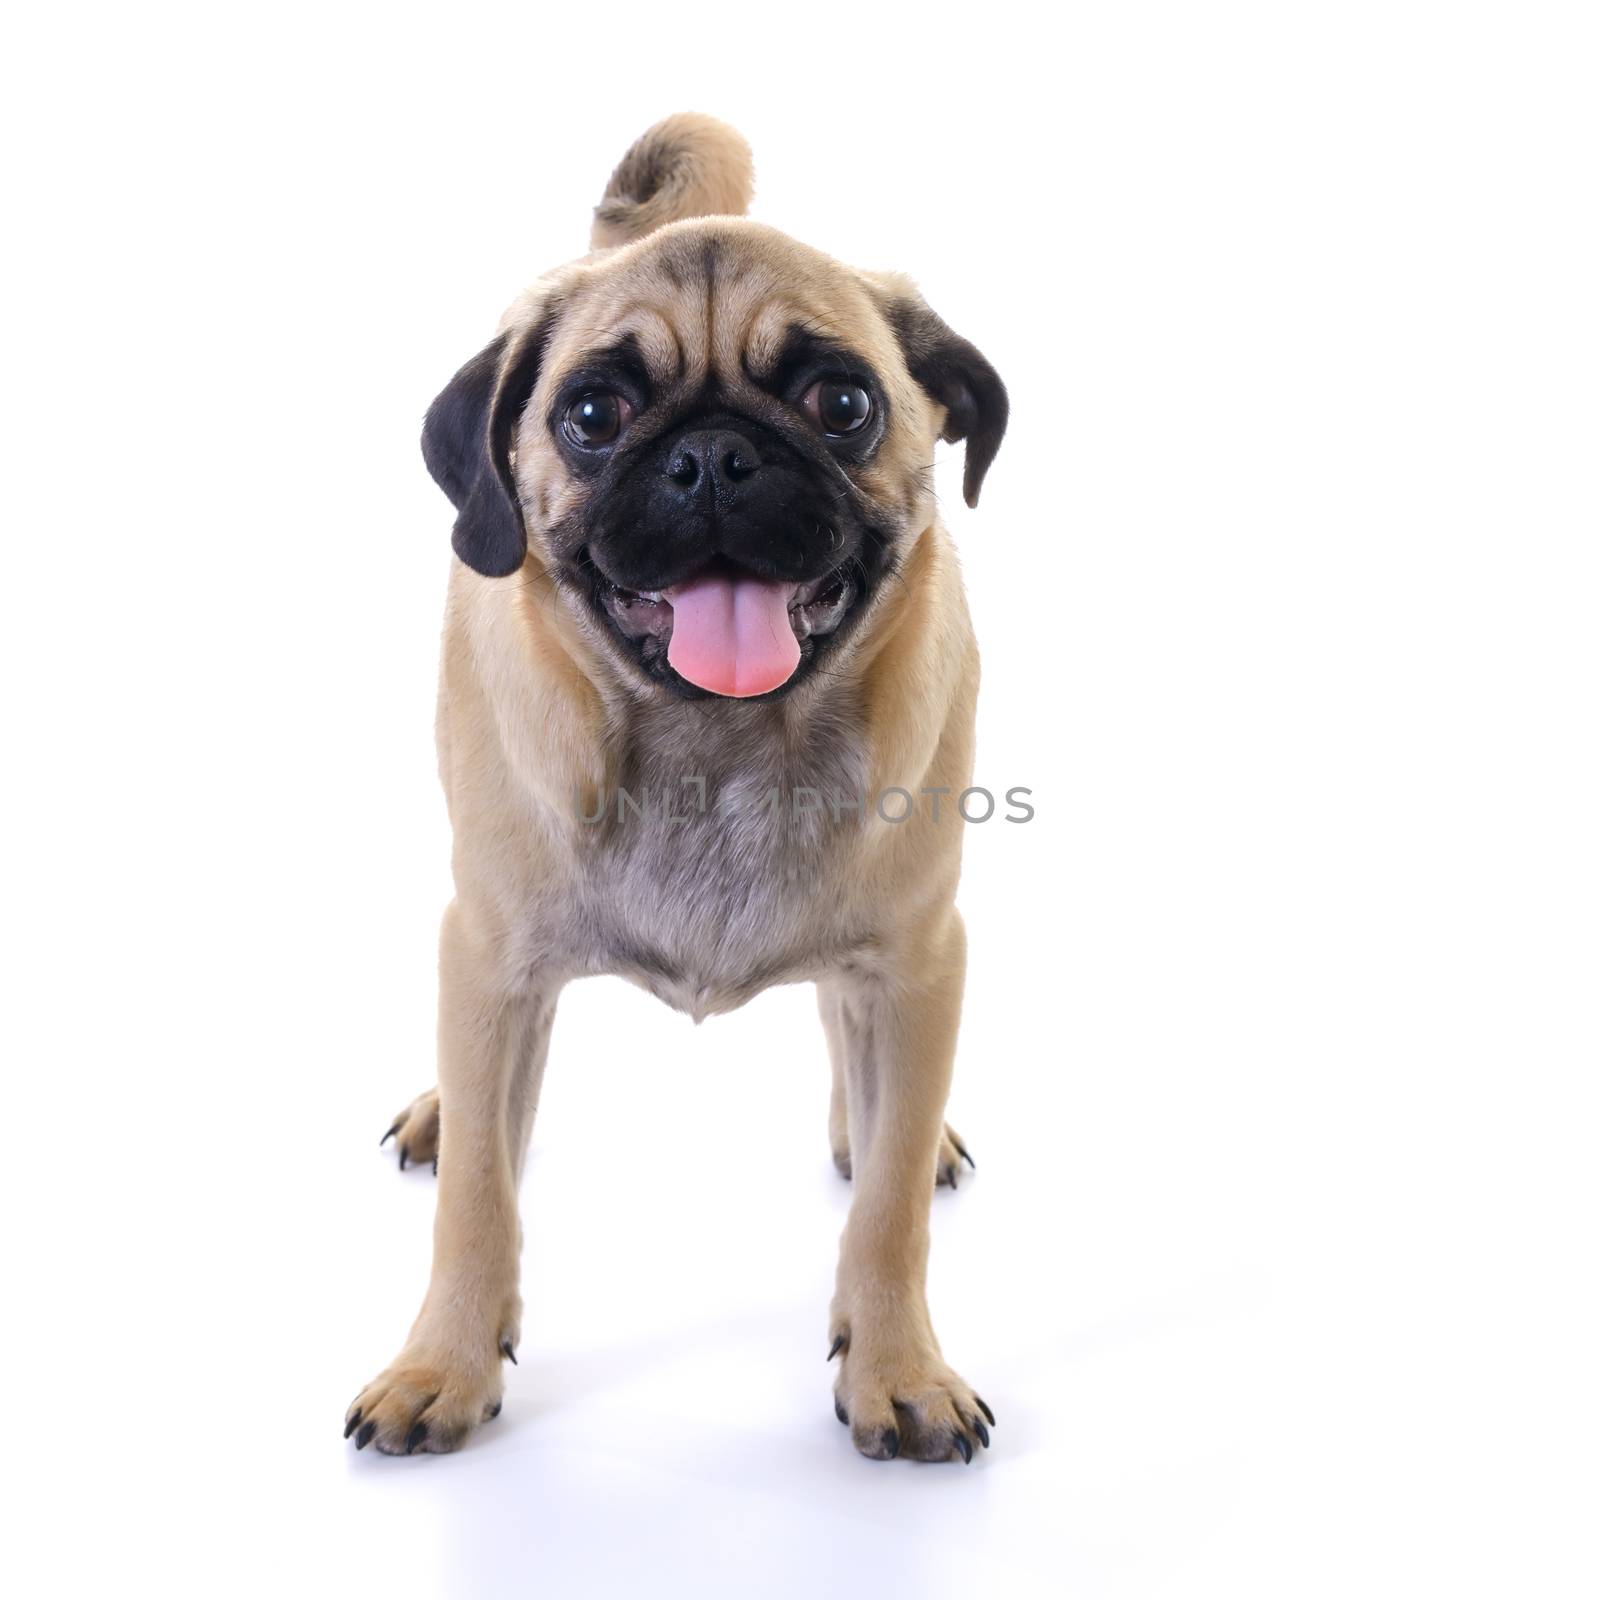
[[710, 462]]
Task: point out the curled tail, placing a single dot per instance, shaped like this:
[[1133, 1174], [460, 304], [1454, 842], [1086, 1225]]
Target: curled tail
[[688, 165]]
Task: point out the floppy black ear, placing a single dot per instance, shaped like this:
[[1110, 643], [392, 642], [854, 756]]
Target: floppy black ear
[[956, 374], [466, 443]]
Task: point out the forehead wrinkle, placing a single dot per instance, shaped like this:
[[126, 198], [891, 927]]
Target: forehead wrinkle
[[657, 338], [766, 333]]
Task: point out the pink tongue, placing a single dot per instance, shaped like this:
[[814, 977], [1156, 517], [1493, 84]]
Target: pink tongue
[[732, 635]]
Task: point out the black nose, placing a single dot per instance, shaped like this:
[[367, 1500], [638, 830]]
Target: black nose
[[714, 460]]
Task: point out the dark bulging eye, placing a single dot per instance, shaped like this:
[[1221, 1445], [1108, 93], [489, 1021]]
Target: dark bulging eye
[[838, 406], [595, 419]]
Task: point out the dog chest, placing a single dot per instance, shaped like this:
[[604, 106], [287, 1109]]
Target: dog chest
[[707, 887]]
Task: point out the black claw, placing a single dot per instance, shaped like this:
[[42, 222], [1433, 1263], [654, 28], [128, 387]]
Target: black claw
[[508, 1352], [964, 1445], [496, 1412], [951, 1176], [981, 1431], [836, 1347], [840, 1412], [436, 1166], [891, 1441], [390, 1134], [985, 1410], [961, 1150], [416, 1436], [405, 1150], [353, 1422], [364, 1438]]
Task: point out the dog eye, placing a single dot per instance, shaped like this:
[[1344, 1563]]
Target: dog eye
[[837, 406], [594, 419]]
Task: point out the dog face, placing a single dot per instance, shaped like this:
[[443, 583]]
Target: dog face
[[718, 445]]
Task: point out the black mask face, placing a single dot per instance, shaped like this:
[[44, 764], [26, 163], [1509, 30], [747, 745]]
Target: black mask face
[[715, 519]]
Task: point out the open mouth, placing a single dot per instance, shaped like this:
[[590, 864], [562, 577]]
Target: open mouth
[[727, 631]]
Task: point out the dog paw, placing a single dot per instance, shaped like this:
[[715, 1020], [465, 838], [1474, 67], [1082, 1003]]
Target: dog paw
[[906, 1403], [416, 1132], [947, 1169], [423, 1404], [952, 1152], [841, 1154]]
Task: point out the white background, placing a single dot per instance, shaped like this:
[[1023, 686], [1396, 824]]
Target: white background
[[1280, 1046]]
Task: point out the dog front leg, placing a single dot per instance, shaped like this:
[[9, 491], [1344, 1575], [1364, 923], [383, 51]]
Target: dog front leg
[[494, 1033], [898, 1030]]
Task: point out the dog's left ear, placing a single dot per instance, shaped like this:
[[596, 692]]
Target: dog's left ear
[[956, 374], [466, 442]]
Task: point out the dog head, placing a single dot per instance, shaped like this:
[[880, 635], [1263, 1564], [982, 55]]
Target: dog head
[[715, 441]]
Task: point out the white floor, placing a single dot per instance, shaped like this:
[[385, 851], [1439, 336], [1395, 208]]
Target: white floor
[[670, 1424], [1235, 1346]]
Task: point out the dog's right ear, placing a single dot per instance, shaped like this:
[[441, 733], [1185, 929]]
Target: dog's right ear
[[466, 442]]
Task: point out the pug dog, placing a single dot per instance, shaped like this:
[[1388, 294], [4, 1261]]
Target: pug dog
[[705, 640]]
